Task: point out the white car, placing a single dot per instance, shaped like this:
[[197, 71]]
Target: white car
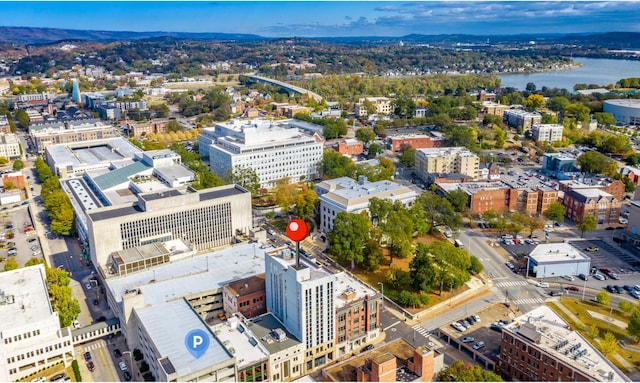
[[76, 324], [567, 277], [599, 277], [478, 345], [458, 326], [448, 234], [123, 365], [542, 284], [548, 230], [507, 236], [88, 286]]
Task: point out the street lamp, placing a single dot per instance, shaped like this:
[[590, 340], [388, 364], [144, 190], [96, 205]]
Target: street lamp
[[382, 291]]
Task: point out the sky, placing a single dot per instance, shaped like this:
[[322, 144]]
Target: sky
[[330, 18]]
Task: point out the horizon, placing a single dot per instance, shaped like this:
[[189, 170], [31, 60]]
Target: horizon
[[327, 19]]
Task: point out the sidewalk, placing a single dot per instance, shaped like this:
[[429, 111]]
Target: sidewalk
[[571, 315]]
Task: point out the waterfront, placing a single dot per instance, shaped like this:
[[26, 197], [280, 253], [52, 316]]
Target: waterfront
[[593, 71]]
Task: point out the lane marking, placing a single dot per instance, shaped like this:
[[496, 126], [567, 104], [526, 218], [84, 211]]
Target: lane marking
[[388, 327]]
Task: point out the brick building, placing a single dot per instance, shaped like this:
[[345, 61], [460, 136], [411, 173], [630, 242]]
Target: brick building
[[350, 146], [539, 346], [154, 126], [15, 178], [631, 173], [519, 118], [416, 141], [581, 202], [606, 184], [246, 296], [489, 107]]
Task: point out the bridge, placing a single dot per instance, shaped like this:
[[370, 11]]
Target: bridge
[[95, 331], [292, 89]]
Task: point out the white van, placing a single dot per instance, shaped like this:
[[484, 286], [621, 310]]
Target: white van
[[458, 243]]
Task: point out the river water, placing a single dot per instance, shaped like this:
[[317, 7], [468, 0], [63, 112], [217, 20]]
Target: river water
[[593, 71]]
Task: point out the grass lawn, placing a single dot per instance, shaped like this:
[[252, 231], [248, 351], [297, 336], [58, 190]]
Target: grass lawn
[[579, 308]]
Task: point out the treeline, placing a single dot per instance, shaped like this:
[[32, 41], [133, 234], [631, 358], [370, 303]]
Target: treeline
[[56, 201]]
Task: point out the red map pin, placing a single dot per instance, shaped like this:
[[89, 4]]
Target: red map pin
[[297, 230]]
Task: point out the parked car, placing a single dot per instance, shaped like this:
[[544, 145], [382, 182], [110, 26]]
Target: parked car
[[618, 289], [458, 326], [599, 277], [555, 293], [117, 353], [467, 339], [510, 265], [368, 347], [614, 276], [496, 326], [31, 239], [584, 277], [122, 365], [91, 366], [567, 277], [636, 287], [476, 317], [87, 356], [627, 288], [127, 376], [635, 294], [478, 345], [465, 323], [592, 249], [76, 324]]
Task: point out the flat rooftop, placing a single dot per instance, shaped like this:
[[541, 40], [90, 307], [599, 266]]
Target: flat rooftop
[[557, 339], [526, 182], [264, 326], [556, 252], [168, 324], [203, 272], [349, 192], [348, 289], [25, 296], [473, 187], [240, 341], [446, 151]]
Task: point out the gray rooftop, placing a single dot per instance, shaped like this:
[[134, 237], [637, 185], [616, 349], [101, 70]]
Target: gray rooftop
[[168, 324], [263, 327], [25, 295]]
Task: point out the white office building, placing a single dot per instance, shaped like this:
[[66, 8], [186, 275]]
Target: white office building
[[31, 338], [351, 196], [273, 149], [547, 132], [557, 259]]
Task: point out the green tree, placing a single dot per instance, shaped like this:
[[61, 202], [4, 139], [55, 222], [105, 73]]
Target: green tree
[[4, 160], [374, 150], [589, 223], [34, 261], [617, 144], [458, 200], [549, 118], [594, 331], [467, 372], [597, 163], [625, 306], [284, 194], [500, 136], [609, 344], [408, 157], [365, 135], [603, 298], [18, 165], [245, 177], [372, 256], [633, 159], [305, 201], [558, 103], [439, 211], [420, 269], [633, 328], [23, 118], [605, 119], [348, 237], [578, 111], [534, 102], [335, 165], [10, 264], [555, 212]]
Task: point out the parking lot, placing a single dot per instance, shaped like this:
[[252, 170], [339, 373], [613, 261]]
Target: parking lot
[[19, 238]]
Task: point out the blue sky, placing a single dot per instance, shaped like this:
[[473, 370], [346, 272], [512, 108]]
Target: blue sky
[[330, 18]]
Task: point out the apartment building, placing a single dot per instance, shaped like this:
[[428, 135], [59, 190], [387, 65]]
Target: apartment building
[[540, 346], [31, 338], [447, 160], [417, 141], [383, 106], [516, 118], [273, 149], [490, 107], [346, 194], [606, 184], [143, 128], [547, 132], [246, 296], [70, 132], [581, 202], [9, 146]]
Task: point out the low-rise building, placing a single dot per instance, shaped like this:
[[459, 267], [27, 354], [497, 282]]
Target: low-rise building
[[143, 128], [383, 106], [517, 118], [346, 194], [550, 260], [547, 132], [631, 173], [45, 135], [581, 202], [559, 165], [350, 146], [489, 107], [606, 184], [246, 296], [632, 231], [540, 346], [9, 146], [30, 332], [16, 179], [417, 141], [4, 124], [445, 160]]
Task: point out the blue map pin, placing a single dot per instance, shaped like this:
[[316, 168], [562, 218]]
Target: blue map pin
[[197, 342]]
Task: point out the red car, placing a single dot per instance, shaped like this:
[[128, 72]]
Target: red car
[[572, 288], [91, 366]]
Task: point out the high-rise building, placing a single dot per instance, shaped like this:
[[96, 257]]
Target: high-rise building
[[75, 91], [31, 338], [302, 297]]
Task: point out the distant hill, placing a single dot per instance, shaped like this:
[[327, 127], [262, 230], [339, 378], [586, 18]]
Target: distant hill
[[27, 35]]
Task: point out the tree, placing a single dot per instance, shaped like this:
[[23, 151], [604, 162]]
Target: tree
[[626, 306], [609, 344], [558, 103], [372, 256], [594, 331], [18, 165], [633, 328], [284, 194], [365, 135], [616, 144], [408, 157], [458, 200], [555, 212], [335, 165], [603, 298], [374, 150], [605, 119], [533, 224], [348, 237], [597, 163], [420, 269], [633, 159], [530, 87], [589, 223], [245, 177], [500, 136], [534, 102], [439, 211], [305, 202], [4, 160], [10, 264], [578, 111], [460, 371]]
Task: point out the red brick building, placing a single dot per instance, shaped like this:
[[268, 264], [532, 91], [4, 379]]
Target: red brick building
[[631, 173], [154, 126], [416, 141], [15, 178], [350, 146], [581, 202], [606, 184], [246, 296]]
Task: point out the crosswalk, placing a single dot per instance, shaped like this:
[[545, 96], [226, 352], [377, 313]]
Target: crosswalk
[[528, 301], [422, 331], [94, 346], [511, 283]]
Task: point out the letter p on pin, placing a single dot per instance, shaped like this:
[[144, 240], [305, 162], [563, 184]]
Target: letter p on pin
[[197, 342]]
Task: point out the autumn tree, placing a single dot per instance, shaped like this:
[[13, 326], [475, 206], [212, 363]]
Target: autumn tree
[[460, 371], [633, 328], [603, 298], [534, 102], [10, 264]]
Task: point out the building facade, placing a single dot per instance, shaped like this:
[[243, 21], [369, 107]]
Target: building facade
[[447, 160], [350, 146], [416, 141], [521, 119], [383, 106], [581, 202], [625, 111], [206, 219], [272, 149], [31, 338], [9, 146], [547, 132], [245, 296], [550, 260], [70, 132], [606, 184]]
